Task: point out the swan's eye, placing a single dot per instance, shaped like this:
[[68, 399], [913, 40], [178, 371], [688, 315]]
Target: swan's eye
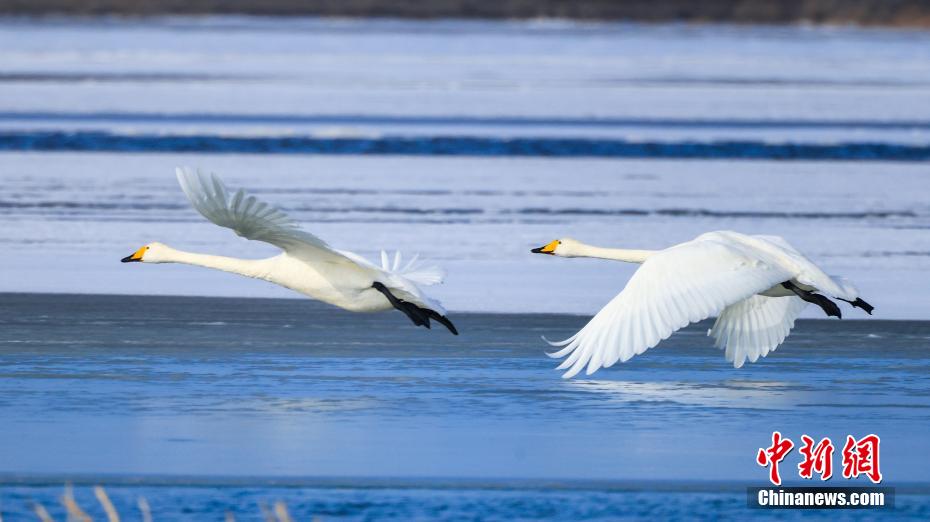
[[146, 248]]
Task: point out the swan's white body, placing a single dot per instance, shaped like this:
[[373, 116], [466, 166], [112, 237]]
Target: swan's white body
[[307, 264], [733, 276]]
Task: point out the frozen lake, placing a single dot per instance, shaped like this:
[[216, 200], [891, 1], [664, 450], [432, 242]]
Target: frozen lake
[[477, 217], [182, 86]]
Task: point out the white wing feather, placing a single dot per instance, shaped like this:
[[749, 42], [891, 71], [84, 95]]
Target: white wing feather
[[254, 219], [245, 214], [677, 286], [753, 327]]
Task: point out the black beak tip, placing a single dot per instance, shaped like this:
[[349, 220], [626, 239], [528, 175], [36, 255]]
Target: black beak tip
[[128, 259], [537, 250]]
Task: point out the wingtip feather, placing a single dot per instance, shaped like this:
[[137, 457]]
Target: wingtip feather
[[573, 371]]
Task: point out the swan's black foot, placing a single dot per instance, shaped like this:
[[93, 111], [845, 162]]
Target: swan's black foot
[[829, 307], [419, 316], [443, 320], [859, 303]]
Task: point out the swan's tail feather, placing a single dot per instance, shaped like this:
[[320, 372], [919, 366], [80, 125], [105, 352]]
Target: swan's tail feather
[[414, 270], [405, 281], [385, 262], [849, 289]]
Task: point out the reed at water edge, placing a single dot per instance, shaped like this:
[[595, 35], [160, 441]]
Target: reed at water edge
[[278, 512]]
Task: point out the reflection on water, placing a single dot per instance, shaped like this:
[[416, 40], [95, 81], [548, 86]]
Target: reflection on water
[[727, 394]]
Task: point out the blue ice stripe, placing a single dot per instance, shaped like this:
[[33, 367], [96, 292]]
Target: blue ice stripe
[[95, 141], [460, 120]]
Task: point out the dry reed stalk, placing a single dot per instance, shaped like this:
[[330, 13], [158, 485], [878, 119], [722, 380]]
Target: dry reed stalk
[[280, 510], [145, 509], [101, 494], [42, 513], [75, 513]]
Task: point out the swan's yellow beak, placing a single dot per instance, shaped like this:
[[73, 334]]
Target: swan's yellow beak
[[134, 258], [548, 249]]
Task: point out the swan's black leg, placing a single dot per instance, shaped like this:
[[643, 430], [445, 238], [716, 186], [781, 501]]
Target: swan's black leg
[[419, 316], [414, 312], [859, 303], [828, 306]]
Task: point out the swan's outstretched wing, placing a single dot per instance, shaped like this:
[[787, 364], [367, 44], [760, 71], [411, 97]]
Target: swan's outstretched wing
[[755, 326], [248, 216], [254, 219], [683, 284]]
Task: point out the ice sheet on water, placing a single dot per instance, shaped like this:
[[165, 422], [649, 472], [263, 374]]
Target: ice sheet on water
[[67, 219], [463, 68]]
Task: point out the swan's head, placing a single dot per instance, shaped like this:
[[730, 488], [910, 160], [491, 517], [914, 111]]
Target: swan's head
[[565, 247], [150, 253]]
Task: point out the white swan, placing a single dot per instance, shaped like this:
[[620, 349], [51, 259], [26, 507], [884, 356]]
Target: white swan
[[755, 285], [308, 265]]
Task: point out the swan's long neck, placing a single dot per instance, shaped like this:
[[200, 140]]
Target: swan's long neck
[[614, 254], [247, 267]]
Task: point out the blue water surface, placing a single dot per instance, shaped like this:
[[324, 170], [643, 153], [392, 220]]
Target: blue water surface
[[203, 405]]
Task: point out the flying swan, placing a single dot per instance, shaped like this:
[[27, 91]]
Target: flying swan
[[755, 285], [307, 265]]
